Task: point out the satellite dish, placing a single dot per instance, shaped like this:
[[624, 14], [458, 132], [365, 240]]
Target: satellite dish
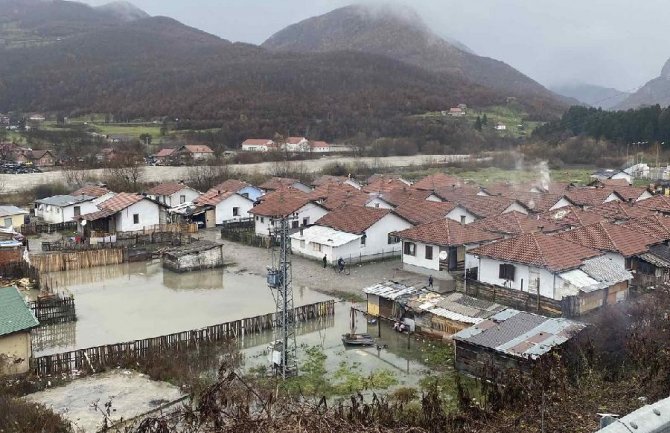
[[83, 222], [443, 255]]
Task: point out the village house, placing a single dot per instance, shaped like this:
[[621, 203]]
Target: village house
[[426, 312], [258, 145], [297, 206], [195, 152], [242, 188], [63, 208], [437, 181], [439, 247], [587, 197], [484, 206], [227, 205], [456, 112], [96, 191], [164, 156], [297, 144], [125, 212], [42, 158], [319, 146], [509, 340], [12, 216], [352, 233], [173, 193], [611, 174], [551, 267], [570, 217], [382, 183], [334, 196], [16, 321]]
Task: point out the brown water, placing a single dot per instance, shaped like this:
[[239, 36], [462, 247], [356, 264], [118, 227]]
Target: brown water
[[141, 300]]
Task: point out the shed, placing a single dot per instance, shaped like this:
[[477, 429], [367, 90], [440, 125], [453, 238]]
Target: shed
[[510, 339], [16, 321], [195, 256]]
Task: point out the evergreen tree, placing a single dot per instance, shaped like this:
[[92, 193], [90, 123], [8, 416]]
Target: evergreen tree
[[485, 120], [478, 123]]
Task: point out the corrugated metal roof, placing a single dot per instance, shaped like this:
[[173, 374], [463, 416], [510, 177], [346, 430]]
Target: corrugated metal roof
[[654, 260], [652, 418], [389, 290], [11, 210], [606, 270], [15, 315], [520, 334], [582, 281], [64, 200], [325, 236]]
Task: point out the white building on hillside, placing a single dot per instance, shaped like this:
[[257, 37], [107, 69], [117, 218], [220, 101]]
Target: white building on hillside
[[63, 208]]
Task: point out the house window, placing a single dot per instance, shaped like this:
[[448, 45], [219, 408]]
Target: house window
[[294, 224], [77, 210], [8, 222], [305, 221], [262, 220], [410, 248], [316, 247], [392, 239], [236, 211], [533, 281], [364, 239], [182, 199], [462, 219], [136, 218], [429, 252], [506, 272], [376, 204]]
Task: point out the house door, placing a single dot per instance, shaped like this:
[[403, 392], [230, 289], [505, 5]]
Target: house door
[[453, 258], [210, 218]]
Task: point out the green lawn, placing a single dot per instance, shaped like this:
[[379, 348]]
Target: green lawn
[[493, 175], [131, 129]]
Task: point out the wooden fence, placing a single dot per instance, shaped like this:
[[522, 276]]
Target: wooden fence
[[515, 298], [111, 355], [54, 309], [37, 228], [123, 240], [245, 236], [65, 261]]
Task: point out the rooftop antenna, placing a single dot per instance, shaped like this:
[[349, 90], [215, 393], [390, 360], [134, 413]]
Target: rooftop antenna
[[283, 349]]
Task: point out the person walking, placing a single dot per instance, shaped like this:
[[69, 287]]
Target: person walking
[[340, 264], [325, 261], [430, 281]]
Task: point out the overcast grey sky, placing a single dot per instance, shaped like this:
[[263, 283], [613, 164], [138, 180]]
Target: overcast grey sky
[[614, 43]]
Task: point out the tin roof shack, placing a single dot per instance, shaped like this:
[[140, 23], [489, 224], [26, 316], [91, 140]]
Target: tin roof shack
[[510, 339], [193, 257], [16, 321]]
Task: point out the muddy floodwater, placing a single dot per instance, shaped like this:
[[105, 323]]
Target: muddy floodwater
[[141, 300]]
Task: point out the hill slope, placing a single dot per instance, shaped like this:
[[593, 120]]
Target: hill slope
[[656, 91], [592, 95], [400, 33]]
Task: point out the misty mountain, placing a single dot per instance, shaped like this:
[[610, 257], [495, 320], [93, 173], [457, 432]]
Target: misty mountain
[[25, 23], [656, 91], [123, 10], [592, 95], [399, 33]]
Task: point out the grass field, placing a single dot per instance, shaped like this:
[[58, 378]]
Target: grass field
[[132, 129], [488, 176]]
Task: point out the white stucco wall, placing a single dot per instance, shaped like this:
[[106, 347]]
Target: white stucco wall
[[489, 273], [224, 210], [149, 215], [459, 212], [310, 211], [516, 207], [419, 259], [561, 203], [378, 203], [56, 214], [645, 195], [173, 200]]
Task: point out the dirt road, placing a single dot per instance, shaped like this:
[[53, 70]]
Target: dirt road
[[12, 183]]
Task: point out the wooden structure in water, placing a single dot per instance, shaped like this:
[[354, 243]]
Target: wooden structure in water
[[111, 355], [54, 309], [62, 261]]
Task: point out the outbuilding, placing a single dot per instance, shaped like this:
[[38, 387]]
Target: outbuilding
[[195, 256], [16, 321]]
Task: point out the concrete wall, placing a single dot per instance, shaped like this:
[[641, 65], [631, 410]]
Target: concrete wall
[[489, 273], [15, 352], [224, 210], [212, 258], [148, 212]]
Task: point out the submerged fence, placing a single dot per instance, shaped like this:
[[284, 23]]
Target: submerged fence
[[111, 355], [64, 261], [54, 309]]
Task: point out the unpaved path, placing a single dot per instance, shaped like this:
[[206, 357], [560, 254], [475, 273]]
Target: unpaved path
[[12, 183]]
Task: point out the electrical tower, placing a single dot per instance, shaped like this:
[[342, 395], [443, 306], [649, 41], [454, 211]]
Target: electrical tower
[[284, 348]]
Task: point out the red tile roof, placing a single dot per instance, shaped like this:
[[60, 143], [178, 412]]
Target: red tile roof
[[384, 183], [233, 185], [399, 195], [572, 216], [514, 223], [294, 140], [424, 211], [213, 197], [281, 203], [446, 232], [120, 201], [163, 153], [326, 179], [454, 193], [257, 141], [198, 148], [628, 192], [91, 190], [277, 183], [352, 219], [319, 144], [538, 201], [167, 188], [483, 206], [620, 211], [656, 225], [588, 196], [334, 195], [613, 182], [436, 181], [610, 237], [658, 203], [538, 250]]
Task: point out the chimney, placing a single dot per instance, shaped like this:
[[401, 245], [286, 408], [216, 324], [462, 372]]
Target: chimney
[[541, 228]]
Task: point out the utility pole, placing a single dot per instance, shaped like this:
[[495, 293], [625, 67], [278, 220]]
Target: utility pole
[[284, 348]]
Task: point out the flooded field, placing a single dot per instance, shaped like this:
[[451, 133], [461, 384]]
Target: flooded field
[[140, 300]]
